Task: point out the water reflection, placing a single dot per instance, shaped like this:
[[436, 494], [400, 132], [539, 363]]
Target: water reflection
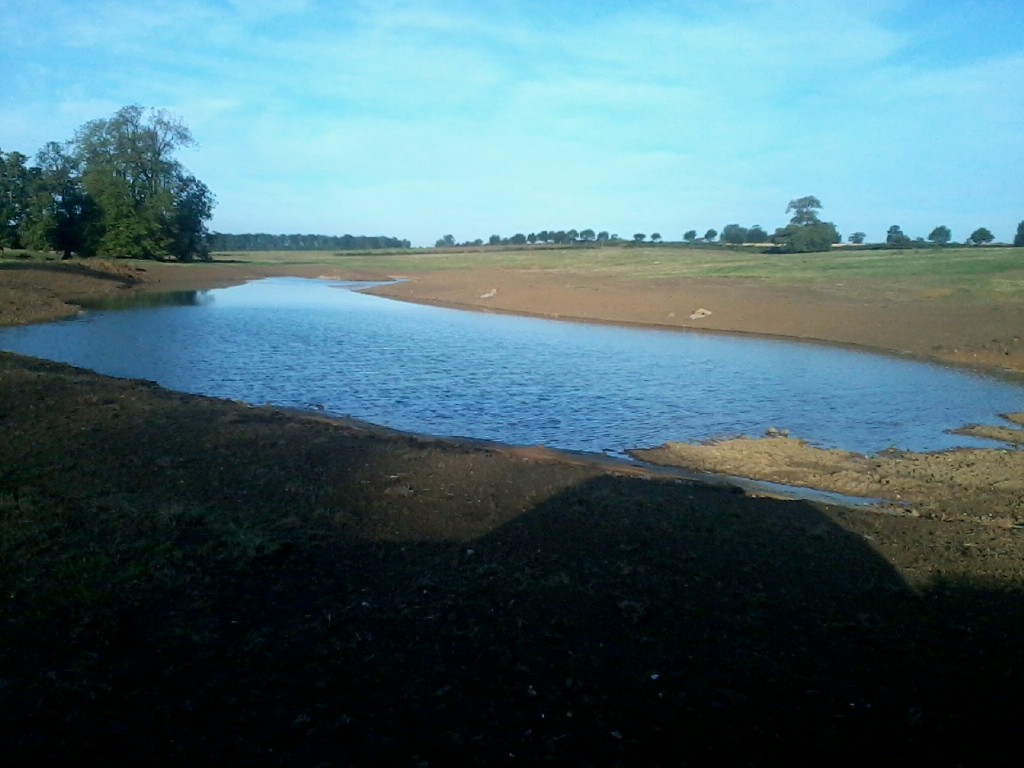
[[312, 344], [149, 300]]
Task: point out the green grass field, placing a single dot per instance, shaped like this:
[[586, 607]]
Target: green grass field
[[997, 271]]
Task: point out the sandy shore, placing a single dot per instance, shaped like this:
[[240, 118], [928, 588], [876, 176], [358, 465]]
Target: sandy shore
[[931, 328]]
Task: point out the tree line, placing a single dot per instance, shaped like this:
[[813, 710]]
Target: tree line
[[804, 233], [115, 189], [220, 241]]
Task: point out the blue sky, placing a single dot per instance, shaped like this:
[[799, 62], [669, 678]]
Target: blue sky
[[418, 118]]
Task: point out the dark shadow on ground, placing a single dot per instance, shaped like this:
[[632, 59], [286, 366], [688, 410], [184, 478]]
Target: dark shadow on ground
[[232, 586]]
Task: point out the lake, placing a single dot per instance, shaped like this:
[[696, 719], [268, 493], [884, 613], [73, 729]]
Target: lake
[[321, 345]]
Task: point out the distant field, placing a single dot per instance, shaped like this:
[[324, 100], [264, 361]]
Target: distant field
[[940, 272], [995, 273]]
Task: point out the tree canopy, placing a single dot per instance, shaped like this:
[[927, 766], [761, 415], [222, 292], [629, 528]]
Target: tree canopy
[[805, 232], [895, 237], [940, 235], [804, 210], [1018, 239], [980, 236], [115, 189]]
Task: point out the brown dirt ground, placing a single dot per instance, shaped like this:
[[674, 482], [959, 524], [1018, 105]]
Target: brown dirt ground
[[193, 581]]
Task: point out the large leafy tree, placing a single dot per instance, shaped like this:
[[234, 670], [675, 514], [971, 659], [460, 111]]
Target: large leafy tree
[[804, 210], [940, 235], [149, 205], [805, 232], [62, 215], [1018, 239]]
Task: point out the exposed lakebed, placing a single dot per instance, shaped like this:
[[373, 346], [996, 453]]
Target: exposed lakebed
[[312, 344]]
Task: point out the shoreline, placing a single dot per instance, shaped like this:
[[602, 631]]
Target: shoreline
[[595, 301], [752, 464]]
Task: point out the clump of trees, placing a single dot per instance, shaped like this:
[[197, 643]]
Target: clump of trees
[[115, 189], [735, 234], [263, 242], [556, 237], [805, 232]]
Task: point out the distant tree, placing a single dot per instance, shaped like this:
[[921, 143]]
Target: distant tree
[[857, 238], [980, 236], [656, 237], [690, 235], [756, 235], [807, 238], [940, 235], [805, 233], [602, 236], [531, 238], [494, 240], [804, 210], [1018, 239], [447, 241], [587, 234], [710, 235], [517, 239], [572, 235], [896, 238], [734, 234], [639, 237]]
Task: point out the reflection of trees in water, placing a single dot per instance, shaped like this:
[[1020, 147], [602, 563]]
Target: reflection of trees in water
[[152, 300]]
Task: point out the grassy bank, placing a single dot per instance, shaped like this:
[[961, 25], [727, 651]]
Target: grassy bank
[[997, 272], [992, 271]]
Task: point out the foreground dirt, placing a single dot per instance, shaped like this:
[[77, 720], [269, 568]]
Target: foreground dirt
[[192, 581]]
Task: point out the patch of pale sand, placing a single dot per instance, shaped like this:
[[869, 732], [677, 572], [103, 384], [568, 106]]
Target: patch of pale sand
[[989, 432], [979, 484]]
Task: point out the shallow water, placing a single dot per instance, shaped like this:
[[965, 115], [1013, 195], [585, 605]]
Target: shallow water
[[312, 344]]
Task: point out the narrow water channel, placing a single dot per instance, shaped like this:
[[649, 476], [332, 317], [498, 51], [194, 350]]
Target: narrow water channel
[[317, 345]]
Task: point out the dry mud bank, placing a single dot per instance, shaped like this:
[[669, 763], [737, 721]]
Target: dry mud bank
[[966, 333]]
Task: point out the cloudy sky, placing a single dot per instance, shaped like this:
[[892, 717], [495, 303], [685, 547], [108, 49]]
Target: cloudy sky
[[418, 118]]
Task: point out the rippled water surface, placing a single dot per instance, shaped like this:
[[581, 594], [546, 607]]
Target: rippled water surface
[[313, 344]]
